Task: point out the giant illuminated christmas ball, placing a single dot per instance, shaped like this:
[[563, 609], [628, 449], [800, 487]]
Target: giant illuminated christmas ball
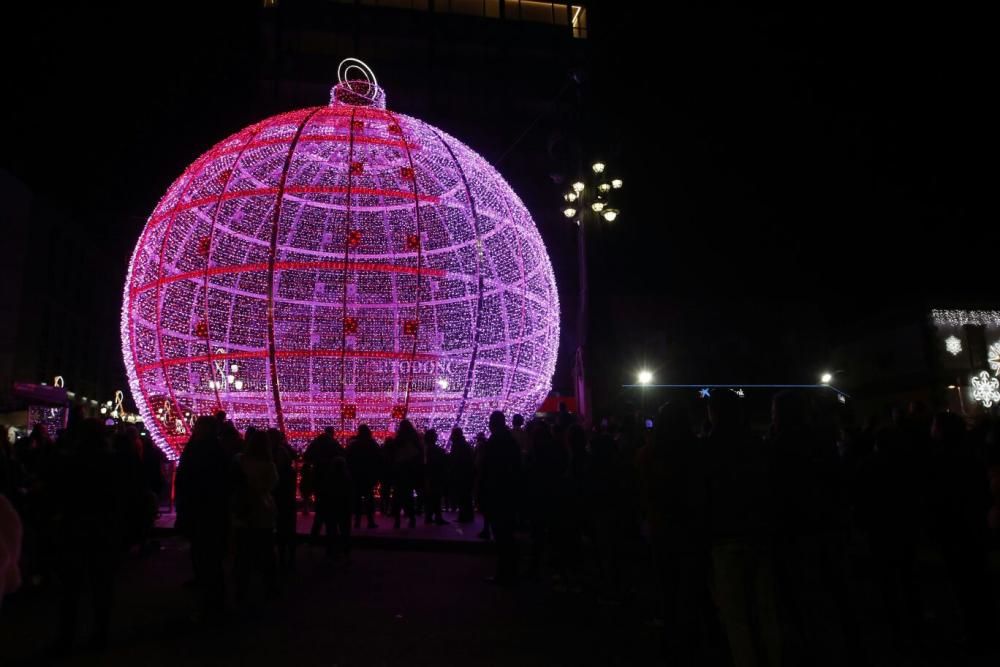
[[335, 266]]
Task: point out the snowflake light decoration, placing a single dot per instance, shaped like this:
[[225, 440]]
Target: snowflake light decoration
[[994, 357], [356, 266], [985, 389], [953, 345]]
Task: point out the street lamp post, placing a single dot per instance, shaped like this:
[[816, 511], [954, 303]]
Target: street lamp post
[[588, 202]]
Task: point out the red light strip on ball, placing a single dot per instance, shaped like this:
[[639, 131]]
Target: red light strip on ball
[[288, 354], [289, 266]]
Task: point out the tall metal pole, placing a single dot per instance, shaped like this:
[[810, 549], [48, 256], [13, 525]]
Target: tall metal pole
[[580, 378], [579, 375]]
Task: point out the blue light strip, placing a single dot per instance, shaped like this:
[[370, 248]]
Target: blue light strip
[[739, 386]]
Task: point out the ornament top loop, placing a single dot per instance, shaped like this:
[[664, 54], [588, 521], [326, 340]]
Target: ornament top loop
[[357, 85], [348, 64]]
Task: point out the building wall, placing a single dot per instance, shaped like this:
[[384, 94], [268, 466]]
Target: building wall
[[52, 272], [13, 238]]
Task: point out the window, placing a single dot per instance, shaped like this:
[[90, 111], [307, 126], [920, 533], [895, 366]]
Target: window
[[537, 12], [466, 7], [552, 13], [395, 4], [578, 19]]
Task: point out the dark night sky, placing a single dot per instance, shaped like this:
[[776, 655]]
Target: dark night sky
[[791, 174], [786, 170], [818, 156]]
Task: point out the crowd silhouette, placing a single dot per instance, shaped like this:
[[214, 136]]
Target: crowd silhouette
[[752, 540]]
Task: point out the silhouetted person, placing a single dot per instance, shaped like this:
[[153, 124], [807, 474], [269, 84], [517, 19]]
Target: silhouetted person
[[334, 504], [141, 502], [89, 494], [284, 497], [498, 494], [320, 452], [32, 457], [479, 451], [741, 530], [435, 477], [576, 443], [229, 438], [993, 473], [202, 494], [11, 535], [630, 439], [386, 478], [406, 457], [546, 474], [568, 527], [32, 450], [364, 460], [810, 533], [565, 417], [462, 466], [886, 488], [603, 503], [672, 488], [520, 435], [254, 515], [153, 460], [10, 473], [959, 507]]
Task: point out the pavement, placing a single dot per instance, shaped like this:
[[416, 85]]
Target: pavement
[[419, 597], [388, 607], [453, 536]]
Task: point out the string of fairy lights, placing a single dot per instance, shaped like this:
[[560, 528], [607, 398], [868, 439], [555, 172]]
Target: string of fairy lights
[[335, 266]]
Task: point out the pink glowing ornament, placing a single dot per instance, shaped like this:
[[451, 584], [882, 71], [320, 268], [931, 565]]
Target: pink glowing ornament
[[335, 266]]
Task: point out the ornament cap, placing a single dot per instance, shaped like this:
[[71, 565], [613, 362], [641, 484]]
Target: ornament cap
[[357, 86]]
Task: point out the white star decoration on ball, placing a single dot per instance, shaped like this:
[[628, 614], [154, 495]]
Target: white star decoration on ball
[[994, 357], [953, 345], [985, 389]]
